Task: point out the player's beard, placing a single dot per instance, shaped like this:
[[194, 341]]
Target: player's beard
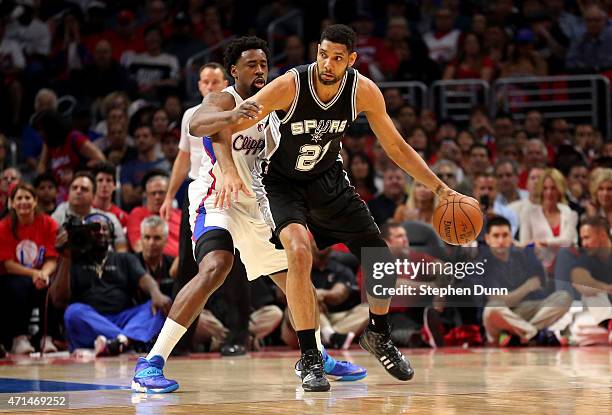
[[329, 81], [254, 88]]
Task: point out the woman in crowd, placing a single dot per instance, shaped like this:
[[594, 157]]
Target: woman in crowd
[[472, 63], [601, 193], [420, 205], [550, 222], [28, 256], [361, 175]]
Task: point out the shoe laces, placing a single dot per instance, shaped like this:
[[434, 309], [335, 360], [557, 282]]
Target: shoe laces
[[312, 361], [383, 342]]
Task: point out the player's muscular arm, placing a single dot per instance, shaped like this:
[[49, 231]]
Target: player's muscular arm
[[215, 113], [370, 101]]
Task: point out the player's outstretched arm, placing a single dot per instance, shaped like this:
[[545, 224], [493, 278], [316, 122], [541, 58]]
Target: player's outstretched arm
[[217, 112], [370, 101], [232, 183]]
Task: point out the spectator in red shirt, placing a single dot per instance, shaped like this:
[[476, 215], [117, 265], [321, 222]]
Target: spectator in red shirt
[[106, 179], [156, 186], [471, 63], [28, 256], [64, 150]]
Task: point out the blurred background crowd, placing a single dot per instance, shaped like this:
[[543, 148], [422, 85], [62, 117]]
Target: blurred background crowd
[[508, 101]]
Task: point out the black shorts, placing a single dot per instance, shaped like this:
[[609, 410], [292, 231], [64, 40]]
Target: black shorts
[[328, 205]]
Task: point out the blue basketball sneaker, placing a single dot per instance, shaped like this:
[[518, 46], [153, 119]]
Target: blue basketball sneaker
[[149, 377], [338, 370]]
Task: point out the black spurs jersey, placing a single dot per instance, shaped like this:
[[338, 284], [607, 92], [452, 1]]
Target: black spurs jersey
[[305, 141]]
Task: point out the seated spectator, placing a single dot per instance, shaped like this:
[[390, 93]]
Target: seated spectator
[[153, 70], [528, 308], [442, 43], [558, 133], [418, 140], [119, 148], [592, 278], [408, 119], [482, 127], [106, 179], [64, 150], [584, 140], [535, 154], [342, 315], [384, 205], [156, 187], [601, 194], [115, 100], [503, 126], [170, 145], [109, 75], [268, 301], [465, 141], [99, 288], [182, 43], [550, 222], [160, 123], [507, 148], [592, 52], [415, 63], [479, 161], [361, 176], [31, 143], [28, 256], [46, 192], [115, 117], [133, 171], [154, 236], [294, 56], [485, 191], [420, 205], [506, 172], [80, 204], [10, 177], [448, 171], [524, 60], [521, 205], [534, 124], [578, 195], [471, 63]]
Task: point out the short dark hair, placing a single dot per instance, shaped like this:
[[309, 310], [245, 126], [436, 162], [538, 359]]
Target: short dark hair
[[151, 174], [105, 168], [213, 66], [234, 50], [45, 177], [480, 145], [598, 222], [509, 161], [498, 221], [87, 175], [339, 33], [385, 228]]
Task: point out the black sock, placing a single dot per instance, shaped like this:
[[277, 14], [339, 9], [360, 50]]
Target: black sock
[[307, 339], [379, 322]]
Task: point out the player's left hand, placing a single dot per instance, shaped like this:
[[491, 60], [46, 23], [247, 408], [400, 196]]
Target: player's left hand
[[228, 194], [161, 302]]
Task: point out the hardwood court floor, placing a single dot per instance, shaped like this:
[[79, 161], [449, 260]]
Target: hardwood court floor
[[449, 381]]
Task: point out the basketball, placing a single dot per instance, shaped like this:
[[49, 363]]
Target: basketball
[[458, 220]]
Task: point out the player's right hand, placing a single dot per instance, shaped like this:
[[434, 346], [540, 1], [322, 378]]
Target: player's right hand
[[166, 209], [248, 110], [228, 194]]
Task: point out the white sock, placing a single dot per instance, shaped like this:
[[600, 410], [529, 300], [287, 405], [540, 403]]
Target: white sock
[[327, 332], [169, 336], [318, 338]]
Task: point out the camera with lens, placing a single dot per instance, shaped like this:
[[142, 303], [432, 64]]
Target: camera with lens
[[80, 234]]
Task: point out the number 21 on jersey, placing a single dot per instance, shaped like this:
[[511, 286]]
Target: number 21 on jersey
[[310, 155]]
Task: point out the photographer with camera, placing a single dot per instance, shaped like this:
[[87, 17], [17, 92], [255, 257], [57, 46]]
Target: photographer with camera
[[80, 204], [99, 288], [28, 258]]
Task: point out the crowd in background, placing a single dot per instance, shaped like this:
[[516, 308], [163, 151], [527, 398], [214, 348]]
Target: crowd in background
[[93, 92]]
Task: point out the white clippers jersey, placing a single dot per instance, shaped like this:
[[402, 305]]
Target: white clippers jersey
[[246, 145], [191, 144]]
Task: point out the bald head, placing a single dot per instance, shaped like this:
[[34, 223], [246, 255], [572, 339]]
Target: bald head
[[595, 20]]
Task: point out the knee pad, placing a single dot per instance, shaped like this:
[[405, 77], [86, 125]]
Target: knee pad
[[214, 240]]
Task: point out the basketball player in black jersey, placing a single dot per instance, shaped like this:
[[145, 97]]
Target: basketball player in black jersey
[[301, 186]]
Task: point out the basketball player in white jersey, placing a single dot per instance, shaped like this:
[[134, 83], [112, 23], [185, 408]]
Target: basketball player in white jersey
[[216, 231]]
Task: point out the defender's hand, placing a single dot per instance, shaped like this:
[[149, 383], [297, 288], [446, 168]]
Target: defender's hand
[[228, 194], [247, 110]]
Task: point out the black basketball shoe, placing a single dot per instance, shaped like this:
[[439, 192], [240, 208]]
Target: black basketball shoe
[[381, 346], [313, 372]]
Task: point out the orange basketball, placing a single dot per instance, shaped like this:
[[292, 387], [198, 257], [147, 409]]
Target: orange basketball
[[458, 220]]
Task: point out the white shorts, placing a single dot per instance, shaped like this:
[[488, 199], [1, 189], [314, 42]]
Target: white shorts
[[251, 235]]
